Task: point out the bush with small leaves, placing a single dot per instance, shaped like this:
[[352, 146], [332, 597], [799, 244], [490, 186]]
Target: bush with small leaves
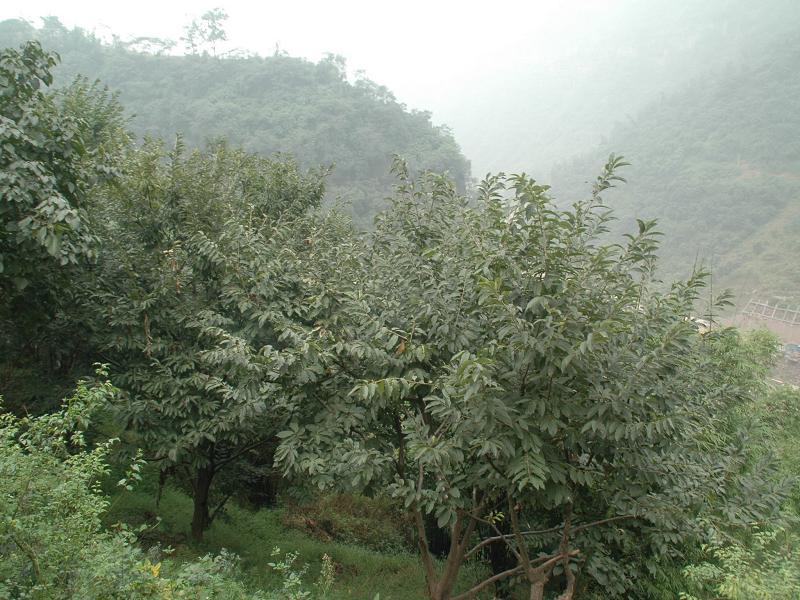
[[762, 565], [53, 545]]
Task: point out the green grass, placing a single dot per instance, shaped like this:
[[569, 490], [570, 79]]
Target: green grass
[[361, 573]]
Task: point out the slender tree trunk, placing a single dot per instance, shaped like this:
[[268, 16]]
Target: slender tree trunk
[[200, 516], [537, 591], [441, 588], [453, 563], [425, 554], [569, 591]]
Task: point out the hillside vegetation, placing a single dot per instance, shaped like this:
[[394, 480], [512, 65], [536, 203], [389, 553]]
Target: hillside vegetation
[[205, 372], [266, 105], [718, 164], [536, 110]]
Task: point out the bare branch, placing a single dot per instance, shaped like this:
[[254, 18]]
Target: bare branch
[[244, 450], [503, 537], [487, 582], [498, 538], [602, 522], [422, 539]]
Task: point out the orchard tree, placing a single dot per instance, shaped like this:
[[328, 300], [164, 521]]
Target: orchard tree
[[200, 380], [57, 148], [53, 149], [501, 368]]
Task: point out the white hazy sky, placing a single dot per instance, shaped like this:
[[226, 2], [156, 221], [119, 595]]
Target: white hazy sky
[[426, 52]]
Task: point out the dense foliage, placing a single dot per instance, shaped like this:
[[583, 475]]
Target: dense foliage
[[181, 233], [529, 377], [496, 369], [54, 543], [56, 150], [266, 105]]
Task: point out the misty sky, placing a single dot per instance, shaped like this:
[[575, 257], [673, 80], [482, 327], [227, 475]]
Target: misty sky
[[522, 84], [427, 53]]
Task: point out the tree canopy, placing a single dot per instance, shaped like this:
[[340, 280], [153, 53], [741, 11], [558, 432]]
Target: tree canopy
[[524, 375]]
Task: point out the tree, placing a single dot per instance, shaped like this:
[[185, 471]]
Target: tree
[[522, 373], [56, 149], [199, 379], [206, 32], [50, 158]]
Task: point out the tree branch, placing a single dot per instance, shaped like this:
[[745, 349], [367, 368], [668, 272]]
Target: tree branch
[[27, 550], [244, 450], [521, 546], [219, 508], [602, 522], [422, 539], [569, 592], [503, 537], [498, 538], [471, 592], [401, 447], [552, 560]]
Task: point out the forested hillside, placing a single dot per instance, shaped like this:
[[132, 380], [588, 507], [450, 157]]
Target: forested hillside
[[718, 164], [266, 105], [567, 98]]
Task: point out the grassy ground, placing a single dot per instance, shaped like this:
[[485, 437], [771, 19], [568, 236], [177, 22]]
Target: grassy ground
[[360, 573]]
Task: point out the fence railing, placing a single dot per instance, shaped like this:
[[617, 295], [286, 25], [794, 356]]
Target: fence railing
[[773, 312]]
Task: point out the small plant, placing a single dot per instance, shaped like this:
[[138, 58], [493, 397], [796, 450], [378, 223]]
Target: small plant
[[326, 575], [133, 474], [292, 574], [765, 567]]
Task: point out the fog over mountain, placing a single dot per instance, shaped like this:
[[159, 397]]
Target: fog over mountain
[[533, 111]]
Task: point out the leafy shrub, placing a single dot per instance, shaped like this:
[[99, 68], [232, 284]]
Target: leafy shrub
[[50, 507], [765, 566], [292, 575], [52, 542]]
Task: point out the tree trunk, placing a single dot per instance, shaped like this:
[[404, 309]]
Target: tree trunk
[[563, 548], [200, 517], [441, 587], [537, 590]]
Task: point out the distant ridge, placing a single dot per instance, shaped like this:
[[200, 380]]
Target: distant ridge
[[718, 163], [267, 105]]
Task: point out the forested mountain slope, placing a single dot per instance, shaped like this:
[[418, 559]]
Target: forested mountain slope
[[605, 69], [718, 163], [266, 105]]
